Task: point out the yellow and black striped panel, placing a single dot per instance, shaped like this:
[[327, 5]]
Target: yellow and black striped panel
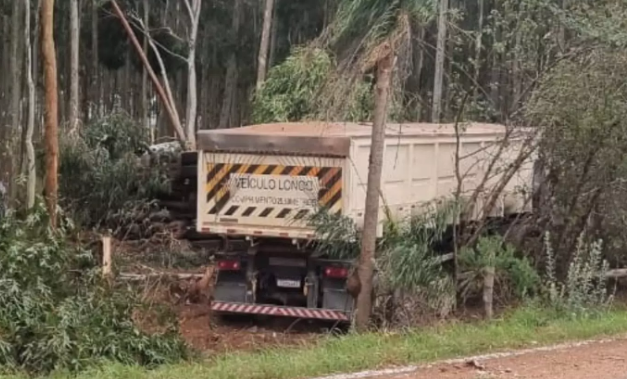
[[218, 193]]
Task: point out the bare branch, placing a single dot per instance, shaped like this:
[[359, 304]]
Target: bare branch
[[167, 99]]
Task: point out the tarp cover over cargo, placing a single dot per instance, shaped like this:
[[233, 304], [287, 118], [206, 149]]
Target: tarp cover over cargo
[[265, 180]]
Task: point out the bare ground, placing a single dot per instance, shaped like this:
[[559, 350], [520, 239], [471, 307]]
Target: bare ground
[[599, 360], [211, 335]]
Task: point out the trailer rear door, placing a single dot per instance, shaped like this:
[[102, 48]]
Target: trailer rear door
[[266, 195]]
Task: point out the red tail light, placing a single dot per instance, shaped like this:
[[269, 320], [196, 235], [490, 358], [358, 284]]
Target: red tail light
[[336, 272], [229, 265]]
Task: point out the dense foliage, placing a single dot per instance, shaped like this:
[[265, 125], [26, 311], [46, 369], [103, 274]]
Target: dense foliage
[[290, 91], [294, 91], [514, 274], [581, 293], [57, 314], [102, 180], [558, 66]]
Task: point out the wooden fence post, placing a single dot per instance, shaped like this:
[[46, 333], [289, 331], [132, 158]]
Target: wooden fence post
[[107, 263]]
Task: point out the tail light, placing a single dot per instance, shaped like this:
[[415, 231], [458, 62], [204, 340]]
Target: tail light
[[336, 272], [229, 265]]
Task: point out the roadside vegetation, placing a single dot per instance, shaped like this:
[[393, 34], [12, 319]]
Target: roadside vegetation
[[444, 286], [58, 313], [525, 327]]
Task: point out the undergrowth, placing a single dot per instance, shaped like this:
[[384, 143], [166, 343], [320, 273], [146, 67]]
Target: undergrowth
[[410, 272], [56, 314], [584, 290], [101, 179], [522, 328], [514, 274]]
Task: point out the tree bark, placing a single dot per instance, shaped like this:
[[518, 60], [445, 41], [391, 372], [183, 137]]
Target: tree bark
[[495, 73], [194, 9], [371, 214], [418, 66], [436, 110], [74, 116], [488, 291], [230, 82], [36, 70], [516, 73], [10, 138], [96, 92], [31, 181], [478, 49], [262, 61], [145, 101], [273, 39], [51, 108]]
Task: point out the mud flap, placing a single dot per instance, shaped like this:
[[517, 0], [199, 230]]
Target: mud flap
[[230, 290], [335, 296]]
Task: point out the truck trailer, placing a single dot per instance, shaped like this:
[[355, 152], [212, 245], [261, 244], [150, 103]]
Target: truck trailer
[[258, 185]]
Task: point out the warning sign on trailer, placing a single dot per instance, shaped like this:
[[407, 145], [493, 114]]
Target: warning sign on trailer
[[295, 192], [260, 196]]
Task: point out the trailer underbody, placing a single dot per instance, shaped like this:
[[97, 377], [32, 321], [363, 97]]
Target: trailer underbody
[[276, 277]]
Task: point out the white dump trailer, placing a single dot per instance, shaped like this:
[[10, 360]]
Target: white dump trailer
[[261, 183]]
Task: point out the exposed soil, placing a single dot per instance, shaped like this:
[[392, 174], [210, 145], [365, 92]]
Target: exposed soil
[[212, 335], [603, 360]]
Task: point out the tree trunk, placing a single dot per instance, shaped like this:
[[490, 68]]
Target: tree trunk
[[516, 74], [561, 30], [495, 73], [436, 110], [488, 291], [265, 43], [96, 92], [39, 128], [14, 104], [51, 107], [371, 214], [145, 101], [192, 91], [478, 48], [419, 68], [74, 116], [31, 182], [273, 39], [230, 82]]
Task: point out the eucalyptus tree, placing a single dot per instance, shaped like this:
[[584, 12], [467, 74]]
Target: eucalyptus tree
[[358, 32], [51, 107]]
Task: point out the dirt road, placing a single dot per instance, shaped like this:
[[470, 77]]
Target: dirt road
[[606, 360]]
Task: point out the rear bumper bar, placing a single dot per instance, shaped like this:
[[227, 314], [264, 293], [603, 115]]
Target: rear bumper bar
[[273, 310]]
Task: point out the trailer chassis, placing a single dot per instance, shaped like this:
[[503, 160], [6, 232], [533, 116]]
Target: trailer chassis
[[272, 278]]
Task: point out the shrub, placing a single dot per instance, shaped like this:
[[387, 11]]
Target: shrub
[[290, 91], [584, 290], [514, 274], [302, 87], [409, 265], [580, 104], [57, 315], [101, 179], [338, 235]]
